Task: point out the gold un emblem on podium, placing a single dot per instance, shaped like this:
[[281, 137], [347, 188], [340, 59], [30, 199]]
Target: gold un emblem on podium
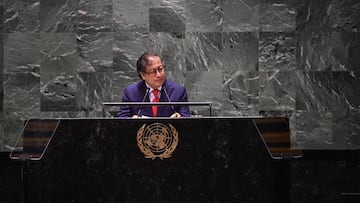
[[157, 140]]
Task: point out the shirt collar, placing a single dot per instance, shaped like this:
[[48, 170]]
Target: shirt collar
[[151, 89]]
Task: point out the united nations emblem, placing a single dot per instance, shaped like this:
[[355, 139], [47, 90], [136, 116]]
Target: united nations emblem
[[157, 140]]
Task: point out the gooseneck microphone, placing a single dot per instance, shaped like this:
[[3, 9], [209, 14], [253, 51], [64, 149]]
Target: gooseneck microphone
[[167, 95], [143, 100]]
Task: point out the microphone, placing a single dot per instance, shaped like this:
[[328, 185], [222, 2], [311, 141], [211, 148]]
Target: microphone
[[167, 95], [143, 100]]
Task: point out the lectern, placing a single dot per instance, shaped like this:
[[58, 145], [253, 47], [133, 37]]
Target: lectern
[[203, 159]]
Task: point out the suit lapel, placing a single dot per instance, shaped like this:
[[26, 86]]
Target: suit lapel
[[142, 90]]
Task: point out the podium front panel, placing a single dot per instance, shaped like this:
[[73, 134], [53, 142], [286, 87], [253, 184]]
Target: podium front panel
[[101, 160]]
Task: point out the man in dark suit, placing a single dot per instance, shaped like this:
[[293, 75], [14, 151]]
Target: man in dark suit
[[156, 88]]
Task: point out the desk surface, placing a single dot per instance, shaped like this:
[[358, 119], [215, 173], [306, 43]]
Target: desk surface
[[273, 131]]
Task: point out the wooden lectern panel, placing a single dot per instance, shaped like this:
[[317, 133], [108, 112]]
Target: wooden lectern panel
[[159, 160]]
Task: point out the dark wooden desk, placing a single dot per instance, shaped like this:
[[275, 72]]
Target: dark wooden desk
[[99, 160]]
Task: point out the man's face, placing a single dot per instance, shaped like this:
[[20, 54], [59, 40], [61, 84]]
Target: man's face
[[154, 74]]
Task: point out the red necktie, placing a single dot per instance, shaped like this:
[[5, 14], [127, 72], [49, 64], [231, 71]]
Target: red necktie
[[156, 99]]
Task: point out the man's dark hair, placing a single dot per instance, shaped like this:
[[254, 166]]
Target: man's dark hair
[[143, 61]]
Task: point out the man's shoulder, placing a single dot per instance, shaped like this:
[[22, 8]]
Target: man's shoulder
[[172, 84]]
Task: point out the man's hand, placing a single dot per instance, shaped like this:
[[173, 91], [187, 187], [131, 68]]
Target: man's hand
[[175, 115]]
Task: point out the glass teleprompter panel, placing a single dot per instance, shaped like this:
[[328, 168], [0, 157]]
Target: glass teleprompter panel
[[34, 139]]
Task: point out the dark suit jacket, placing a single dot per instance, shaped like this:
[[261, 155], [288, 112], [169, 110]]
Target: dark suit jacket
[[136, 92]]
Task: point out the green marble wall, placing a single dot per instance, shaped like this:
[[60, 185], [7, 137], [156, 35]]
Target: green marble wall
[[63, 58]]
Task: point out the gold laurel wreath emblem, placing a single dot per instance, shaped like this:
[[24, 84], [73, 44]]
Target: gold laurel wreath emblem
[[157, 140]]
